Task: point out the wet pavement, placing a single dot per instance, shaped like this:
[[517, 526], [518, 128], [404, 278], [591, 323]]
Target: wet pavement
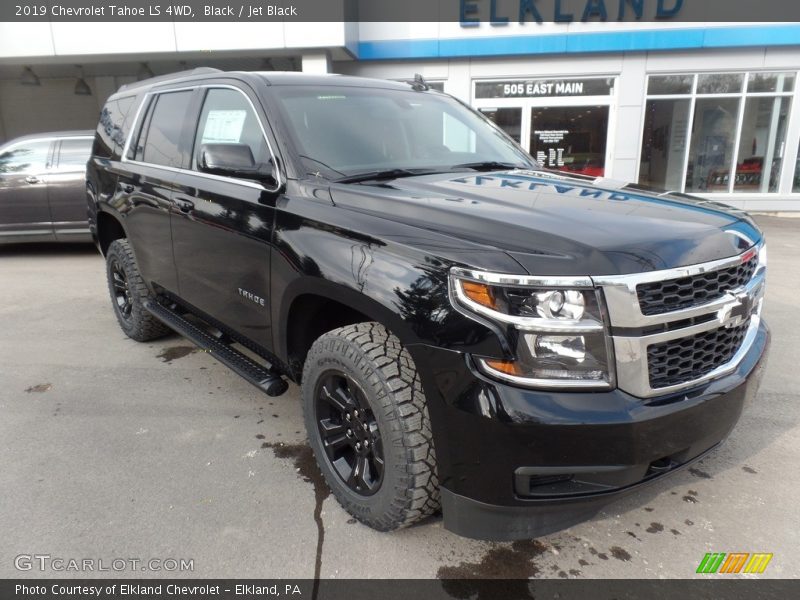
[[115, 449]]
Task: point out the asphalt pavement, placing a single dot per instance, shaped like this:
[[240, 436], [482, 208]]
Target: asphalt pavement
[[113, 449]]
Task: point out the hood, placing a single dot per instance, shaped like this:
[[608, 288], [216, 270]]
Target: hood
[[559, 225]]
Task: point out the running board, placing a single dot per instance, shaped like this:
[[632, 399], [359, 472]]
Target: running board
[[267, 381]]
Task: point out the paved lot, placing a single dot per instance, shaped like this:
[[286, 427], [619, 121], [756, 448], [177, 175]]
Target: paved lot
[[113, 449]]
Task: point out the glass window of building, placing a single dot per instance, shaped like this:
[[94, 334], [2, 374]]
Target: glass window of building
[[670, 84], [666, 124], [711, 144], [763, 141], [570, 138], [796, 181], [716, 132], [507, 119]]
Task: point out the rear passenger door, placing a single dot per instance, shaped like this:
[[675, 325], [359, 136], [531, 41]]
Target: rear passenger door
[[66, 186], [154, 157], [222, 226], [24, 212]]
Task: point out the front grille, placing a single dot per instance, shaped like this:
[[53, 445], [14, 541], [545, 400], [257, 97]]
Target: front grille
[[661, 297], [689, 358]]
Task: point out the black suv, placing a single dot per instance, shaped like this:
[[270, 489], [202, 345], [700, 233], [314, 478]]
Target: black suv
[[471, 332]]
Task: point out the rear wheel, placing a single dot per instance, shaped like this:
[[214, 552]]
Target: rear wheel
[[368, 424], [129, 293]]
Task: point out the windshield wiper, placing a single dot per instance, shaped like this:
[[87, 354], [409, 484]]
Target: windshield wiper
[[489, 165], [381, 175]]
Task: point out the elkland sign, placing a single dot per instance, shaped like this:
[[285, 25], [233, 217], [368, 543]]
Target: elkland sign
[[469, 13], [502, 12]]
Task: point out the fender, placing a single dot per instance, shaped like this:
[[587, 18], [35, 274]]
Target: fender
[[401, 287], [343, 294]]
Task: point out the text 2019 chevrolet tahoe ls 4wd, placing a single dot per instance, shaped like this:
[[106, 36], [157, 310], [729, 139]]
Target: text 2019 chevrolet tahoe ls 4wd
[[514, 346]]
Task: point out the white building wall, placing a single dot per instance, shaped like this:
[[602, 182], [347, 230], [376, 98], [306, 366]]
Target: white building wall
[[98, 41], [30, 109], [627, 109], [51, 106]]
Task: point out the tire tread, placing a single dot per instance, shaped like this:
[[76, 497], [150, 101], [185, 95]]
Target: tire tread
[[143, 327], [417, 494]]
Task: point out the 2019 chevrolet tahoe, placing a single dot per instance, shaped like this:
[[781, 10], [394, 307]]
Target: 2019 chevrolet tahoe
[[471, 333]]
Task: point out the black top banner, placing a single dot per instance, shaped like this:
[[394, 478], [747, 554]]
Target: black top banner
[[469, 13]]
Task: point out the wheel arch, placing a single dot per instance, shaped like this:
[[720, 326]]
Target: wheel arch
[[314, 307], [109, 228]]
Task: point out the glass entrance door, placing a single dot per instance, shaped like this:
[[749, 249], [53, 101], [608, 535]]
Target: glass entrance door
[[507, 119], [570, 138]]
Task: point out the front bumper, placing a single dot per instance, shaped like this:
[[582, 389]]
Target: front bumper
[[516, 463]]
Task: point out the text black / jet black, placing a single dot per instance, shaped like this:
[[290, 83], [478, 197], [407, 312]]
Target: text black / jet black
[[467, 328]]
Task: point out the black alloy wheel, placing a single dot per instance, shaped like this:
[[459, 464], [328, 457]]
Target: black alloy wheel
[[349, 433], [121, 290], [367, 422]]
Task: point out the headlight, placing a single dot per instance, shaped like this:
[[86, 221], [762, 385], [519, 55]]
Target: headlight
[[555, 328]]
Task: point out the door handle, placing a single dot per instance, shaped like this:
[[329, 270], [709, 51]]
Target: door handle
[[185, 206], [125, 187], [33, 179]]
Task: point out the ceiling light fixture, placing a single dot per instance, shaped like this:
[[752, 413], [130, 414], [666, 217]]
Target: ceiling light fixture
[[81, 87], [145, 72], [29, 77]]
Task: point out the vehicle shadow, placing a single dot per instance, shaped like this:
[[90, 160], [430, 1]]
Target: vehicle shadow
[[48, 248]]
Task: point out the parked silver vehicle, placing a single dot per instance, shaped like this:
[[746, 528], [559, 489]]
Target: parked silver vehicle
[[43, 189]]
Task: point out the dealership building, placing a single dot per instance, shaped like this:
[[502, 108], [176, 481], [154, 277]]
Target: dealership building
[[711, 109]]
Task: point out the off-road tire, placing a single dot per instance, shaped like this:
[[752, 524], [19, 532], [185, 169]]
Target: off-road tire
[[376, 360], [138, 324]]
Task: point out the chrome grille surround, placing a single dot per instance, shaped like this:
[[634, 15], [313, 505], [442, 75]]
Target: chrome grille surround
[[731, 309]]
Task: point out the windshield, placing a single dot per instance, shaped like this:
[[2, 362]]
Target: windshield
[[345, 131]]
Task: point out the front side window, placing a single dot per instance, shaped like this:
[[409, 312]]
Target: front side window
[[161, 146], [25, 158], [228, 118], [73, 154], [342, 131]]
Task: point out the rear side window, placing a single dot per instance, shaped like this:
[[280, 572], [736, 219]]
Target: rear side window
[[162, 142], [228, 118], [73, 154], [25, 158], [113, 128]]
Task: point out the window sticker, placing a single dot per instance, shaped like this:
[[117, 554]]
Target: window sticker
[[224, 126]]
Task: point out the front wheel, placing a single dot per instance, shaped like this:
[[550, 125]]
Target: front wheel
[[368, 424]]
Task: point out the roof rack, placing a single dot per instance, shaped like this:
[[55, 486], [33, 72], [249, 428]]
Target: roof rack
[[168, 77]]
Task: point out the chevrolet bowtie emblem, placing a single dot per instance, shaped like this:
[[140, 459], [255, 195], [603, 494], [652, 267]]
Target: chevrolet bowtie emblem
[[738, 311]]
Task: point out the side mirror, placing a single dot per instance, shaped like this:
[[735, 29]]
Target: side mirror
[[233, 160]]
